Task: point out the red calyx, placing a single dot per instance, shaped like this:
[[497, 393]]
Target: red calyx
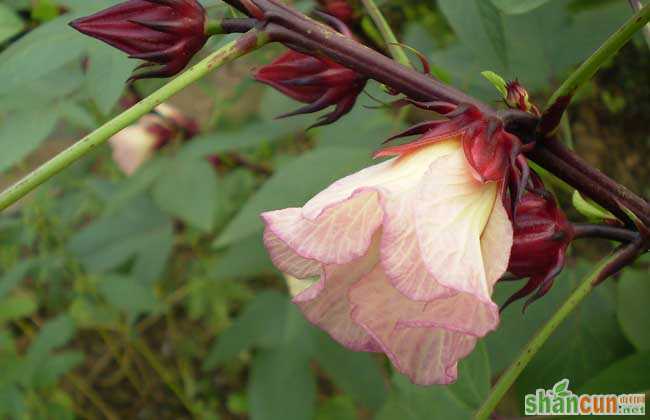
[[542, 234], [161, 32], [318, 82], [489, 149]]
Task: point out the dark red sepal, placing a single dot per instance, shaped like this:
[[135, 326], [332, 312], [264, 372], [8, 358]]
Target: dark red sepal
[[163, 33], [541, 237]]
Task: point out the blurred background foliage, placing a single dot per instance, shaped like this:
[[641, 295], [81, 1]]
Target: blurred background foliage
[[151, 296]]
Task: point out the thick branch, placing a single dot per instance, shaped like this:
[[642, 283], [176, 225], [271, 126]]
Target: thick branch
[[296, 30]]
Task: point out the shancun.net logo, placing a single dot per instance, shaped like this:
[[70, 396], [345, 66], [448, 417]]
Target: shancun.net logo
[[560, 400]]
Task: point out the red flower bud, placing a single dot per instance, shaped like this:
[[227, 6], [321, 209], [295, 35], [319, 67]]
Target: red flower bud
[[340, 9], [517, 98], [489, 149], [318, 82], [161, 32], [542, 234]]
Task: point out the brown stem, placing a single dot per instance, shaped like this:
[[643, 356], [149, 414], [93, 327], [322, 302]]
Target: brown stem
[[570, 167], [587, 230]]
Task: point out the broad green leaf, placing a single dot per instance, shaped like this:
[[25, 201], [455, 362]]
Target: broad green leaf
[[54, 334], [128, 295], [473, 384], [259, 324], [51, 368], [244, 259], [137, 231], [21, 133], [358, 374], [16, 307], [38, 53], [514, 7], [281, 386], [292, 185], [337, 408], [413, 402], [627, 375], [480, 27], [108, 70], [250, 136], [11, 278], [10, 23], [633, 310], [186, 189]]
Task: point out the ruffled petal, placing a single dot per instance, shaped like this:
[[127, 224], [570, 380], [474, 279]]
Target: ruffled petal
[[391, 177], [325, 304], [286, 260], [451, 212], [410, 332], [400, 253], [340, 234]]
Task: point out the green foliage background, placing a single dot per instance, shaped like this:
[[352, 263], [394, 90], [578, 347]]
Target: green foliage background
[[152, 296]]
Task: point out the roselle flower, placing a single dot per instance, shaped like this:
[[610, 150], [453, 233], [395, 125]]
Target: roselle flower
[[137, 143], [318, 82], [542, 234], [406, 253], [161, 32]]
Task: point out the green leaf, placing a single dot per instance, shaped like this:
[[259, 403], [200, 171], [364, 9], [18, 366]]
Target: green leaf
[[514, 7], [337, 408], [259, 324], [54, 334], [16, 307], [628, 375], [40, 52], [473, 384], [497, 81], [633, 313], [108, 70], [128, 295], [11, 278], [480, 27], [22, 132], [186, 189], [10, 23], [251, 136], [54, 366], [244, 259], [292, 185], [413, 402], [358, 374], [282, 386], [137, 231]]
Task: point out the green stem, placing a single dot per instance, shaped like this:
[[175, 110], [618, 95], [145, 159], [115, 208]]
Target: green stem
[[229, 52], [396, 51], [530, 350], [587, 69], [165, 375]]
